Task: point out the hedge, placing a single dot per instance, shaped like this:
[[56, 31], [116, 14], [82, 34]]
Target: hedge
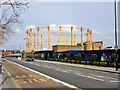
[[104, 64]]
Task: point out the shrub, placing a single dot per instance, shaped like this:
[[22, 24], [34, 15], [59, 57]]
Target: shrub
[[68, 55], [94, 56], [79, 55], [55, 55], [114, 56]]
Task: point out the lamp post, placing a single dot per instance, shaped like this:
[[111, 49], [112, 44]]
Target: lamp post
[[116, 47]]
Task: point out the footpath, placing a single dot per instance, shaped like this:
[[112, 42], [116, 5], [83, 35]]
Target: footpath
[[5, 80], [23, 78], [104, 69]]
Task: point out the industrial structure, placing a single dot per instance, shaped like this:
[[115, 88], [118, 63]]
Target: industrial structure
[[61, 48], [39, 42]]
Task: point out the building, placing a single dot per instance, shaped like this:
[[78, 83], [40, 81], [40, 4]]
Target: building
[[95, 46], [43, 54], [60, 48], [9, 52]]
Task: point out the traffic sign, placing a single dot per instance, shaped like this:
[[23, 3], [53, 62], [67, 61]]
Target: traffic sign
[[116, 47]]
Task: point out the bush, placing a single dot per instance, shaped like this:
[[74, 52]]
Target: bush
[[68, 55], [79, 56], [114, 56], [94, 56], [55, 55]]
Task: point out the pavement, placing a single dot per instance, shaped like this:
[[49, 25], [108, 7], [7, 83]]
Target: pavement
[[24, 78], [6, 81], [104, 69]]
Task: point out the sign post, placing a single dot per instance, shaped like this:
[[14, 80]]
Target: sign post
[[116, 48]]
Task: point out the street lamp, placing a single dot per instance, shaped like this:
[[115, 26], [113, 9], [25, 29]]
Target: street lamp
[[116, 47]]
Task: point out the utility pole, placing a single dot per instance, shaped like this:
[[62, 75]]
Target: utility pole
[[116, 47]]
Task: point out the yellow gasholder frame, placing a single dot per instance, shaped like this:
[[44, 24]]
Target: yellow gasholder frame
[[73, 42]]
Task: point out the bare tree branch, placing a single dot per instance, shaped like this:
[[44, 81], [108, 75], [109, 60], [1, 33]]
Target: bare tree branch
[[11, 11]]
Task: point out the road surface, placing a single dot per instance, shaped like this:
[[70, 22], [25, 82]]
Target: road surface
[[81, 78]]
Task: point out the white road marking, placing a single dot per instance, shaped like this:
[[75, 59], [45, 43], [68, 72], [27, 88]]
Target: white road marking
[[68, 70], [64, 83], [57, 69], [104, 76], [49, 67], [79, 74], [115, 81], [95, 78], [64, 71], [89, 77]]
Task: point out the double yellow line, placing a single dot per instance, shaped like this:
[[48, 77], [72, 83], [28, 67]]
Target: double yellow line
[[16, 84]]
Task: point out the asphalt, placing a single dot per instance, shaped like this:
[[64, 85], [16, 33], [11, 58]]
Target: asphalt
[[104, 69], [79, 77], [25, 78]]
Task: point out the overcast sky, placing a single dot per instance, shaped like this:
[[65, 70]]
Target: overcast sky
[[97, 16]]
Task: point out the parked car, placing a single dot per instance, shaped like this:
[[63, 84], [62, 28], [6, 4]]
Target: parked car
[[29, 58]]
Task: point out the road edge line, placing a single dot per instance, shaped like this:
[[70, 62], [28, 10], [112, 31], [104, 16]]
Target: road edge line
[[64, 83]]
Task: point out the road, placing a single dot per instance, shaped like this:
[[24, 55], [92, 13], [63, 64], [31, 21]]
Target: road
[[81, 78]]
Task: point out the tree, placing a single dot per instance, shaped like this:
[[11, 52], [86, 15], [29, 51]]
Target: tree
[[94, 56], [11, 11], [23, 51], [55, 55], [68, 55], [79, 55], [18, 51], [12, 52], [114, 56]]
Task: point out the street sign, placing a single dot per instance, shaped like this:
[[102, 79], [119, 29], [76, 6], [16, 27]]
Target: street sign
[[116, 47]]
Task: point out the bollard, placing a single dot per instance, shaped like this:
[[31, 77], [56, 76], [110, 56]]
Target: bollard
[[0, 67]]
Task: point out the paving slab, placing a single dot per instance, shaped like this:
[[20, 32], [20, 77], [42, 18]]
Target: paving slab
[[6, 81]]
